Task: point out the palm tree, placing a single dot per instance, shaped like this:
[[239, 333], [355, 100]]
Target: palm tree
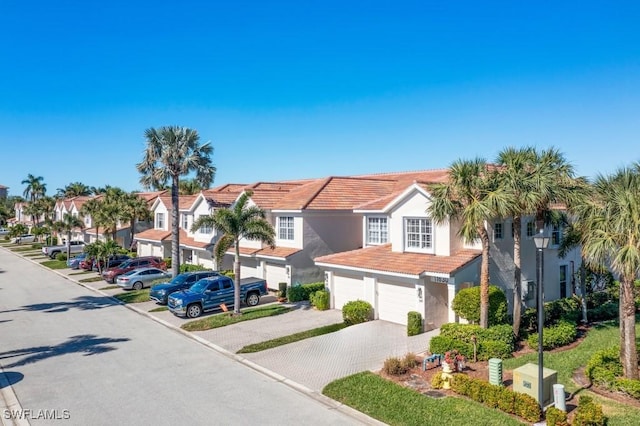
[[532, 181], [609, 227], [74, 189], [67, 225], [134, 208], [35, 189], [190, 187], [173, 152], [472, 196], [92, 209], [240, 221]]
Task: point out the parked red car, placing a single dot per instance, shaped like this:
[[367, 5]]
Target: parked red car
[[110, 275]]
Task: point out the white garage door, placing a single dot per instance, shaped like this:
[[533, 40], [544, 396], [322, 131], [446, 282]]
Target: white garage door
[[248, 268], [346, 289], [275, 274], [395, 300]]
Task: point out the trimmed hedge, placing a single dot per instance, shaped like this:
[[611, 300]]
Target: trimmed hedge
[[558, 335], [494, 396], [556, 417], [493, 342], [414, 323], [356, 312], [589, 413], [61, 257], [605, 369], [187, 267], [320, 299], [302, 292], [466, 304], [607, 311], [568, 309], [282, 289]]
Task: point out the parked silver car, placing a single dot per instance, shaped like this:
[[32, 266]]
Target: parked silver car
[[24, 238], [137, 279]]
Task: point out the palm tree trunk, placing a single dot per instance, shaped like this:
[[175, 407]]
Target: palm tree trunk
[[175, 227], [236, 280], [517, 276], [68, 244], [484, 278], [583, 290], [628, 352]]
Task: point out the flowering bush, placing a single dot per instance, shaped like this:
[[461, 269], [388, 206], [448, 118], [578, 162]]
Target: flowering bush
[[455, 359]]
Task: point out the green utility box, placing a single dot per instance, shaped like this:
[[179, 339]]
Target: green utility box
[[525, 380], [495, 371]]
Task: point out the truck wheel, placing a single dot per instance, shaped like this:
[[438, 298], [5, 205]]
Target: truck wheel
[[137, 285], [253, 299], [53, 254], [194, 310]]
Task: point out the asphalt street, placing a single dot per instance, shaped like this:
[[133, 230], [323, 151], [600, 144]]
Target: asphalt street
[[71, 353]]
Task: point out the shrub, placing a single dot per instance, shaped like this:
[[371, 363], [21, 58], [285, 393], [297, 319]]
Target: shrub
[[629, 386], [568, 309], [442, 344], [356, 312], [604, 367], [607, 311], [229, 273], [488, 349], [282, 289], [302, 292], [589, 413], [394, 366], [556, 417], [168, 261], [437, 381], [61, 257], [186, 267], [497, 341], [414, 323], [467, 305], [494, 396], [320, 299], [555, 336], [409, 361]]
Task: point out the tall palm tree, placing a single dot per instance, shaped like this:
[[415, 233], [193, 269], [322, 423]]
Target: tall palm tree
[[67, 225], [92, 209], [190, 187], [134, 208], [609, 226], [35, 189], [472, 197], [240, 221], [532, 181], [173, 152]]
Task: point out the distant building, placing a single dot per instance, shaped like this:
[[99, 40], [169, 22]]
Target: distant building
[[3, 192]]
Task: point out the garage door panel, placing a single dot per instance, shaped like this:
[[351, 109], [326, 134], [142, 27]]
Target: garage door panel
[[395, 300], [346, 289], [275, 274]]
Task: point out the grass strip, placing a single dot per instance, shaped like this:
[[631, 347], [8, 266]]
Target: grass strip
[[110, 287], [273, 343], [134, 296], [81, 273], [159, 309], [228, 318], [396, 405], [22, 249], [55, 264], [90, 280]]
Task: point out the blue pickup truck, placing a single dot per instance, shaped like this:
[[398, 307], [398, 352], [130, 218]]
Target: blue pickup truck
[[209, 293]]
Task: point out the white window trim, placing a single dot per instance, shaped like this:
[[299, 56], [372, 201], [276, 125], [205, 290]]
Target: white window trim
[[406, 236], [159, 222], [379, 230], [205, 230], [185, 222], [290, 220]]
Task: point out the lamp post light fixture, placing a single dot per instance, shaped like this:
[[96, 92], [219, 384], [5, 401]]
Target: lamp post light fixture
[[542, 242]]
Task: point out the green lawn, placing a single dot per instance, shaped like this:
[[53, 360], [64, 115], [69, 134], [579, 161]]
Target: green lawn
[[90, 280], [215, 321], [22, 249], [81, 273], [257, 347], [566, 362], [55, 264], [134, 296], [159, 309], [396, 405], [110, 287]]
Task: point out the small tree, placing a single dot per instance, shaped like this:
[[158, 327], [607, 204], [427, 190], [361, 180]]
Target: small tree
[[466, 304], [67, 225]]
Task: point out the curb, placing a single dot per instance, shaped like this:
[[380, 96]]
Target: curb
[[316, 396]]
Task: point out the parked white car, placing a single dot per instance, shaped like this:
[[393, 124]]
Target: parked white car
[[24, 238], [3, 232]]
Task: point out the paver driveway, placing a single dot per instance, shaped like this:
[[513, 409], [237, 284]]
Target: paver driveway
[[318, 361]]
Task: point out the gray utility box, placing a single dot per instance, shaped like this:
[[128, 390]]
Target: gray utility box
[[525, 380]]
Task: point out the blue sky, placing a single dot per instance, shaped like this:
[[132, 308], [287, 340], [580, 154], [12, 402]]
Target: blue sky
[[290, 89]]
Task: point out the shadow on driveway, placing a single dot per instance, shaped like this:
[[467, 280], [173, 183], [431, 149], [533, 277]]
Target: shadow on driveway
[[84, 303], [11, 378], [88, 344]]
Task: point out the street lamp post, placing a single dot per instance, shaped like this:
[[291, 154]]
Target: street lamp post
[[541, 241]]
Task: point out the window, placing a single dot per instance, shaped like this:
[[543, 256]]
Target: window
[[497, 231], [556, 235], [160, 220], [185, 222], [531, 229], [377, 231], [87, 220], [531, 291], [512, 230], [205, 229], [563, 281], [418, 234], [285, 228]]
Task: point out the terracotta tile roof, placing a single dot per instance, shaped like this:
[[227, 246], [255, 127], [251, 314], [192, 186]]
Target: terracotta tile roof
[[380, 203], [151, 196], [381, 258], [78, 202], [152, 235], [279, 252], [223, 195], [185, 202], [267, 198], [244, 251]]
